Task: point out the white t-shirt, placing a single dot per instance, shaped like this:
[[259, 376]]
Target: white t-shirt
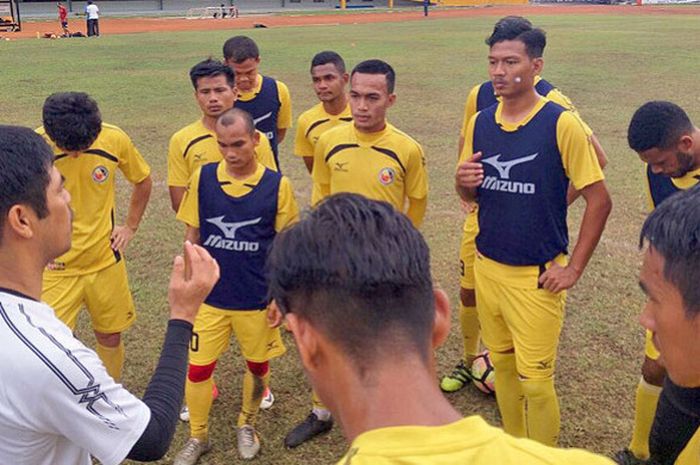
[[92, 11], [58, 405]]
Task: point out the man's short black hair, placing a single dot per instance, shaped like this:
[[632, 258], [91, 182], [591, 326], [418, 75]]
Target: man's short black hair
[[359, 272], [240, 48], [673, 230], [230, 116], [657, 124], [328, 56], [25, 163], [378, 67], [519, 28], [72, 120], [211, 68]]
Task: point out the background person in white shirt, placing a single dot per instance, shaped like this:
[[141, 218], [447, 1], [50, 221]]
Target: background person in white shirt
[[92, 13]]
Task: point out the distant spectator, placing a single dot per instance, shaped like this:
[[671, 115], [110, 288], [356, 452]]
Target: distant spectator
[[93, 18]]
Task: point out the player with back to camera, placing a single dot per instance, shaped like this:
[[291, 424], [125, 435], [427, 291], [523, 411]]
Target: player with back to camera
[[92, 273], [479, 98], [58, 404], [364, 313], [518, 160]]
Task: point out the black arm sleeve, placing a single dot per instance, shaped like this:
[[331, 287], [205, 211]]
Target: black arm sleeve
[[164, 394]]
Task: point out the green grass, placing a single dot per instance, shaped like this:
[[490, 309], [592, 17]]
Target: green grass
[[608, 65]]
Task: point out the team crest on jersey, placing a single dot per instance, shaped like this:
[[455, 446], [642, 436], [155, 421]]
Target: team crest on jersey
[[387, 176], [100, 174]]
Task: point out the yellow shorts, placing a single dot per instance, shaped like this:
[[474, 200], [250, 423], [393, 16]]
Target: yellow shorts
[[105, 293], [515, 314], [650, 350], [467, 249], [213, 328]]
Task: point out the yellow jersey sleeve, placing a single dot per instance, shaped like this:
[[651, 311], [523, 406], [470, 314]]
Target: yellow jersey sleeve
[[178, 172], [577, 153], [556, 96], [691, 453], [320, 173], [469, 109], [468, 149], [287, 208], [284, 118], [416, 174], [188, 212], [131, 163], [302, 146], [263, 153]]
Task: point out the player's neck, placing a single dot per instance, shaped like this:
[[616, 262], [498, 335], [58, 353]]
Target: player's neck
[[517, 107], [373, 130], [336, 106], [400, 393], [21, 271], [242, 172], [209, 122]]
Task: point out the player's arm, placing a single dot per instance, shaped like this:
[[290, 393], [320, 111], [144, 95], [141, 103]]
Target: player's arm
[[320, 173], [470, 172], [178, 172], [416, 186], [302, 146], [416, 210], [189, 209], [584, 171], [122, 235], [469, 111], [284, 118], [572, 194], [263, 152], [287, 207]]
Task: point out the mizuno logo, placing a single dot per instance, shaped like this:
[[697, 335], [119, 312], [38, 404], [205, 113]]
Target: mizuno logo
[[504, 167], [229, 229], [262, 118], [341, 166]]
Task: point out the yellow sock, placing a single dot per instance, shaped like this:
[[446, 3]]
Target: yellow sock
[[509, 394], [469, 321], [113, 359], [644, 411], [316, 402], [253, 390], [199, 400], [541, 410]]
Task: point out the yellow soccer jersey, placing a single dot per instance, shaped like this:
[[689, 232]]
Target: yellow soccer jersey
[[554, 95], [577, 153], [314, 122], [467, 441], [195, 145], [387, 165], [90, 179], [287, 209], [691, 453], [284, 117]]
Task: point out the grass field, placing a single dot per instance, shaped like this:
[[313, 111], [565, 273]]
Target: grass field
[[608, 65]]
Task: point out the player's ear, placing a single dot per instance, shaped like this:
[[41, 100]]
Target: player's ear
[[441, 325], [391, 99], [256, 138], [306, 339], [538, 66], [685, 143], [21, 221], [346, 78]]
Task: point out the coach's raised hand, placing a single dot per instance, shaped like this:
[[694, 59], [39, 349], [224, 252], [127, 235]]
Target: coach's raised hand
[[470, 175], [191, 281]]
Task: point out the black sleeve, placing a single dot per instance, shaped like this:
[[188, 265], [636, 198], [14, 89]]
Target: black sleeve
[[164, 394]]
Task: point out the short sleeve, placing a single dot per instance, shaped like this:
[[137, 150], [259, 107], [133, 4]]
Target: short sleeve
[[302, 146], [287, 208], [577, 152], [469, 109], [284, 119], [320, 172], [178, 173], [468, 149], [131, 163], [189, 208], [263, 153], [416, 174]]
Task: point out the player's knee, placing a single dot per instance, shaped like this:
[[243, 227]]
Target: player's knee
[[201, 373], [652, 372], [108, 339], [468, 297], [258, 369]]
